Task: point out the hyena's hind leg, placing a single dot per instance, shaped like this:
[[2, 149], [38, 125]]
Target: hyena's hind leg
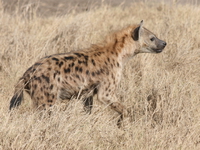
[[43, 97], [64, 95]]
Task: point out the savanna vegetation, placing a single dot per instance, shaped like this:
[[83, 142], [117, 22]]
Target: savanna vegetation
[[162, 91]]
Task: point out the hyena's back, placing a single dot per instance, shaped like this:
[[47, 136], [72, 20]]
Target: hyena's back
[[59, 77]]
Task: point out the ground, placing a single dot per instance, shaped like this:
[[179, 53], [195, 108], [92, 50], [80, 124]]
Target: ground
[[62, 7]]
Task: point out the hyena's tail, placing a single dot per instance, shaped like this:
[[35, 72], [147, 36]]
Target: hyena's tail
[[18, 96]]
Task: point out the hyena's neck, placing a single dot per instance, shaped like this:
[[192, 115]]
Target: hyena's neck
[[122, 46]]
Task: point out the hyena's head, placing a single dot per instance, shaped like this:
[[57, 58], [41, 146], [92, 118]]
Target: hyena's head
[[148, 41]]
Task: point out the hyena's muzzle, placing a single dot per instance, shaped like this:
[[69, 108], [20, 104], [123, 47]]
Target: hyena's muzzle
[[160, 45]]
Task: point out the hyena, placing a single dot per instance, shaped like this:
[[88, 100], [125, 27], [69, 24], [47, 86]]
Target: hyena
[[86, 72]]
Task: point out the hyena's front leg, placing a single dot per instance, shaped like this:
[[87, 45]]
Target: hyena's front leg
[[107, 96], [88, 102]]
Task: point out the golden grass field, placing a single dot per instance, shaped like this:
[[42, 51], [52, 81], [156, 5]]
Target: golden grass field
[[162, 91]]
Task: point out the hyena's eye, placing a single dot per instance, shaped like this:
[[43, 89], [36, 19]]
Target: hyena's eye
[[152, 39]]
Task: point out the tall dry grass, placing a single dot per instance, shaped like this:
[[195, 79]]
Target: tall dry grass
[[161, 91]]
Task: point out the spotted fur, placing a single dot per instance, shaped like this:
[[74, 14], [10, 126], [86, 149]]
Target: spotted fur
[[95, 70]]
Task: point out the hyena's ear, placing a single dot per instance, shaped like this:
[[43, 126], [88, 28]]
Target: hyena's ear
[[137, 32]]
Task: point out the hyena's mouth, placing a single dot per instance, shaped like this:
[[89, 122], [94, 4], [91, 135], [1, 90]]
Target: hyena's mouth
[[158, 50], [155, 50], [160, 47]]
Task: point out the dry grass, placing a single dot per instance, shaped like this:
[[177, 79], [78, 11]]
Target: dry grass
[[162, 91]]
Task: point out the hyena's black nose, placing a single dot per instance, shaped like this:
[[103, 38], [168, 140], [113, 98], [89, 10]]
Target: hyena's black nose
[[164, 43]]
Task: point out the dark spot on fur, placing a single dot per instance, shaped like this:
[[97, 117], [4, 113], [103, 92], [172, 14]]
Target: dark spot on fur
[[35, 86], [108, 59], [98, 72], [115, 44], [29, 69], [51, 87], [43, 105], [107, 72], [86, 57], [93, 74], [69, 58], [38, 64], [46, 78], [101, 70], [60, 64], [77, 76], [58, 79], [57, 72], [78, 54], [80, 62], [87, 72], [67, 70], [93, 62], [49, 62], [71, 65], [38, 79], [112, 76], [99, 53], [49, 69], [54, 75], [46, 94], [86, 63], [56, 59], [76, 68], [112, 65], [80, 69], [49, 101], [117, 64]]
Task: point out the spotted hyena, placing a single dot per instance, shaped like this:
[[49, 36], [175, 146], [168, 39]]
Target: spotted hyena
[[90, 71]]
